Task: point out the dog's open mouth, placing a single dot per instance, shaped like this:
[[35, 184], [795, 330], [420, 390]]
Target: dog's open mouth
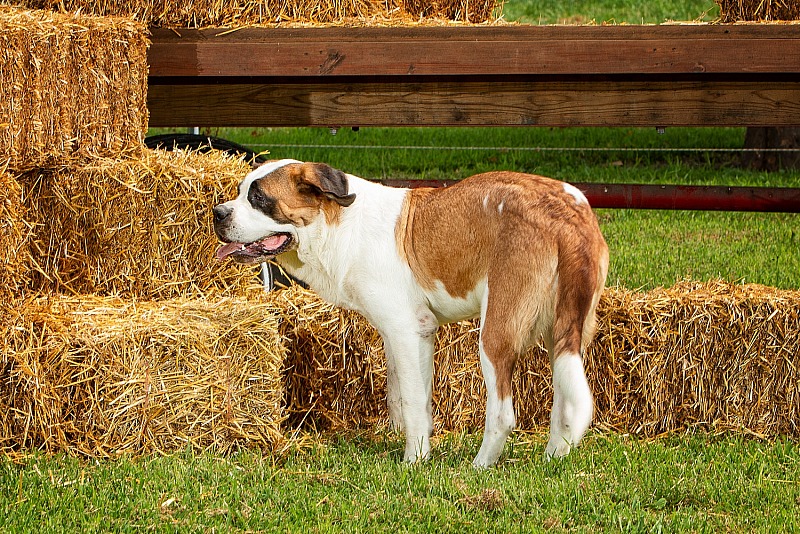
[[268, 247]]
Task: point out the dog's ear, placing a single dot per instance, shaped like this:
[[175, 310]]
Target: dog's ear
[[331, 183]]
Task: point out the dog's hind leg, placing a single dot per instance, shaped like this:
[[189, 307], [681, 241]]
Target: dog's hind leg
[[572, 404], [498, 356], [572, 330]]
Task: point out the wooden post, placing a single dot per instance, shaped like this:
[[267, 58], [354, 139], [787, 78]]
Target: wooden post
[[772, 138]]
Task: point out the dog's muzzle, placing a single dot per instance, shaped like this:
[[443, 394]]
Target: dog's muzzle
[[249, 253]]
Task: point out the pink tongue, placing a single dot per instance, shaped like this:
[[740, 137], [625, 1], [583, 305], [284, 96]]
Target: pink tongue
[[226, 250], [269, 243]]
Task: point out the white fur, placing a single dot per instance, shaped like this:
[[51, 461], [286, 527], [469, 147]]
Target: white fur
[[580, 198], [248, 223], [572, 405], [449, 309]]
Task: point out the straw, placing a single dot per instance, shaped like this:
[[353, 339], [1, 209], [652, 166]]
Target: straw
[[73, 87], [716, 355], [758, 10], [238, 13], [14, 234], [103, 377], [136, 227]]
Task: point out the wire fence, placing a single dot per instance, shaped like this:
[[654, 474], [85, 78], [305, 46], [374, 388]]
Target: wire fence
[[521, 149]]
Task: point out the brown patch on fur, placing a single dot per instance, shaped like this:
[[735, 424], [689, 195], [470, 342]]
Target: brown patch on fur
[[298, 197], [540, 250]]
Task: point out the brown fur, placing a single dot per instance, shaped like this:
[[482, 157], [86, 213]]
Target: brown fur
[[299, 196], [542, 240]]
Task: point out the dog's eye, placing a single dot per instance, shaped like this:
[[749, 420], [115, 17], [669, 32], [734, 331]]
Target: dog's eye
[[255, 196], [260, 201]]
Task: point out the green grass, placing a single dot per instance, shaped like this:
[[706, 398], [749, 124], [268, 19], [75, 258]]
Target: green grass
[[609, 11], [696, 483]]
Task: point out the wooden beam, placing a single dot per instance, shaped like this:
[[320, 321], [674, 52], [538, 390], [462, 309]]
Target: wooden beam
[[538, 102], [442, 51], [681, 75]]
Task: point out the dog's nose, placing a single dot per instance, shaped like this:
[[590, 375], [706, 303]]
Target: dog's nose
[[221, 212]]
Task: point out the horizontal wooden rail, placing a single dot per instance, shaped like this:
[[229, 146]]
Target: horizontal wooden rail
[[669, 197], [500, 50], [672, 75]]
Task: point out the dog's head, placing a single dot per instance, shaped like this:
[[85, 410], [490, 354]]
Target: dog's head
[[274, 203]]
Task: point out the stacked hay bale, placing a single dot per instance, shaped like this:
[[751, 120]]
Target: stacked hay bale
[[164, 354], [717, 356], [205, 13], [73, 87], [102, 376], [136, 227], [758, 10]]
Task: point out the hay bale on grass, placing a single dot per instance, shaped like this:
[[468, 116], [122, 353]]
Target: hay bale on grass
[[204, 13], [336, 370], [715, 355], [137, 227], [14, 234], [72, 87], [758, 10], [718, 356], [103, 377]]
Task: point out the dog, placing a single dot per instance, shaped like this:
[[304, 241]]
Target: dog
[[522, 252]]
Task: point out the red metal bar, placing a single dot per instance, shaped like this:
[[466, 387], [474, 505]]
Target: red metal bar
[[670, 197]]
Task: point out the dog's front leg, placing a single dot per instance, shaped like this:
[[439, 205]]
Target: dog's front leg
[[412, 357], [393, 399]]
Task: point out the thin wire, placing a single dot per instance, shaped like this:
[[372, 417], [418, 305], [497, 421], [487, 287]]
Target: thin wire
[[524, 148]]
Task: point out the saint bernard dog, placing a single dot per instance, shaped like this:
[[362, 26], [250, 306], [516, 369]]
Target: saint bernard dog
[[522, 252]]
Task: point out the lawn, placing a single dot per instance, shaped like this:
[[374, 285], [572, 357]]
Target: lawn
[[609, 11], [356, 483], [695, 482]]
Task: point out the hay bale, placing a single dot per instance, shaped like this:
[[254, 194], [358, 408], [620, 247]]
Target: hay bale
[[718, 356], [758, 10], [137, 227], [73, 87], [14, 234], [335, 369], [205, 13], [474, 11], [103, 377], [715, 355]]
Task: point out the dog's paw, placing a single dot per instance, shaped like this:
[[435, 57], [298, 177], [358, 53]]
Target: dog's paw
[[482, 464], [417, 450], [557, 447]]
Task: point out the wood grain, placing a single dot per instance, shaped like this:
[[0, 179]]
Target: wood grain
[[592, 102], [476, 50]]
